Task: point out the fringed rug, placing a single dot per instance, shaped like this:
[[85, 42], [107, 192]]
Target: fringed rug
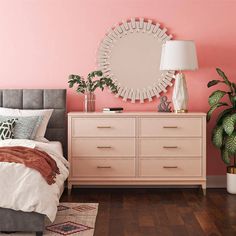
[[77, 219]]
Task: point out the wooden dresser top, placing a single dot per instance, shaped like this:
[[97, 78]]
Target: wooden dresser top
[[143, 114]]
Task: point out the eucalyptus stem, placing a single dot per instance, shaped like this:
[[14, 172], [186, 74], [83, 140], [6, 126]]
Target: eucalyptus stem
[[89, 85]]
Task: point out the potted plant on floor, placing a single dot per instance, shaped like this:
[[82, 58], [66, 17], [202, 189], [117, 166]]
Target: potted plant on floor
[[87, 86], [224, 132]]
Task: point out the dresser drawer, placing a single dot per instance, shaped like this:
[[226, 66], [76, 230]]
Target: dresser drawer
[[103, 167], [173, 167], [157, 147], [103, 127], [170, 127], [103, 147]]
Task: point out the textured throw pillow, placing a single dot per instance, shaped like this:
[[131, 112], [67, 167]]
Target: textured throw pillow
[[26, 127], [6, 129], [45, 113]]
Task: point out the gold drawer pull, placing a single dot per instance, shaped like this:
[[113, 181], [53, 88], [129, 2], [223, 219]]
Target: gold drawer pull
[[104, 167], [170, 146], [170, 127], [170, 167], [103, 127], [101, 147]]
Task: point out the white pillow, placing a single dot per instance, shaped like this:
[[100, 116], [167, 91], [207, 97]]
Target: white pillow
[[45, 113]]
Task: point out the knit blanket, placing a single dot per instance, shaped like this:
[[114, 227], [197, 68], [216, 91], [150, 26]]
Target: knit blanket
[[32, 158]]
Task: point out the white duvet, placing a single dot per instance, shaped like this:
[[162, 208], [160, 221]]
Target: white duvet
[[22, 188]]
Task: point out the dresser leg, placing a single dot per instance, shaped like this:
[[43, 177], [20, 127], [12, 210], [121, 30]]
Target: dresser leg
[[69, 188], [204, 189]]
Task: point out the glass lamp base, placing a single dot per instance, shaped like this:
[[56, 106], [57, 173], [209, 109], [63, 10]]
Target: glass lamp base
[[180, 94]]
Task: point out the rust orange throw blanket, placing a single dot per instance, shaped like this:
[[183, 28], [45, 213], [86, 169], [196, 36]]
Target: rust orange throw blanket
[[32, 158]]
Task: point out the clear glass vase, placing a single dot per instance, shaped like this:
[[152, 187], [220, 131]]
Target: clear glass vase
[[89, 102]]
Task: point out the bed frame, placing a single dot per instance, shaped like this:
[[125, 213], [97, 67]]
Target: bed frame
[[12, 220]]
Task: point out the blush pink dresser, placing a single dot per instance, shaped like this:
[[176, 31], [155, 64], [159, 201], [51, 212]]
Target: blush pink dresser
[[147, 148]]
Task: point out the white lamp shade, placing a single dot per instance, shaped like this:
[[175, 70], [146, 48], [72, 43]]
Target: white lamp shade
[[179, 55]]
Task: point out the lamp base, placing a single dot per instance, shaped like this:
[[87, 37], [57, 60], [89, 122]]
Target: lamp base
[[180, 94]]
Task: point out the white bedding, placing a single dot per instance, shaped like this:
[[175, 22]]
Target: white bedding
[[56, 146], [22, 188]]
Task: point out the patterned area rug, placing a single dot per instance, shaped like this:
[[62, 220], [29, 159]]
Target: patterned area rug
[[77, 219]]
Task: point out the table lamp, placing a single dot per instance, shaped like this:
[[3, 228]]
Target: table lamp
[[179, 55]]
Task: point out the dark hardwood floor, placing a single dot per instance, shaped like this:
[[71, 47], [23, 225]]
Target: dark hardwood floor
[[153, 212]]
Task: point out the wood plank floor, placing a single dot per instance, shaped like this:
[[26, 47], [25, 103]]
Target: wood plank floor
[[164, 212]]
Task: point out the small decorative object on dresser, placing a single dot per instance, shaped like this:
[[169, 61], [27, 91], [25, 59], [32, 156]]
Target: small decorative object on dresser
[[113, 109], [179, 55], [88, 86], [224, 132], [145, 148], [164, 105]]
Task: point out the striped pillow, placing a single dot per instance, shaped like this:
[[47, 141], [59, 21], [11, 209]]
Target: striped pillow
[[6, 129]]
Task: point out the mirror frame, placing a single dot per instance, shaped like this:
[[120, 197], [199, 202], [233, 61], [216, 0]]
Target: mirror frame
[[134, 25]]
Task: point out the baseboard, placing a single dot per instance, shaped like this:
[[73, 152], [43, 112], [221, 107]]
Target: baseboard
[[216, 181]]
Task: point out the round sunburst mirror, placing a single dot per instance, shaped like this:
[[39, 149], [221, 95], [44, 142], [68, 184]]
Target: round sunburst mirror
[[130, 54]]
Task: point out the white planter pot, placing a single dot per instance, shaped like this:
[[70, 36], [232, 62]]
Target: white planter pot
[[231, 183]]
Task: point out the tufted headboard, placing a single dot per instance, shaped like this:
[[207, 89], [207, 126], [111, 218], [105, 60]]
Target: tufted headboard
[[41, 99]]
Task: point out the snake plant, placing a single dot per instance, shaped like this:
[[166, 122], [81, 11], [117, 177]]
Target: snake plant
[[90, 84], [224, 132]]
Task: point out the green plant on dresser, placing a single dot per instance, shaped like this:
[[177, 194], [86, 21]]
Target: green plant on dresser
[[90, 84], [224, 132], [94, 80]]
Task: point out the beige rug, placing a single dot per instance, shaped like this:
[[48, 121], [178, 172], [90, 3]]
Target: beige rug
[[77, 219]]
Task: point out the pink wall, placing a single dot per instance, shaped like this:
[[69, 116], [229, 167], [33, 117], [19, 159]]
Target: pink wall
[[43, 41]]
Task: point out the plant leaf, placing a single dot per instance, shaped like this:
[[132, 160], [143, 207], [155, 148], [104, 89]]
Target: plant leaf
[[233, 100], [225, 156], [222, 74], [74, 79], [217, 136], [234, 116], [94, 74], [213, 82], [99, 73], [234, 87], [212, 109], [222, 115], [230, 143], [215, 97], [229, 123]]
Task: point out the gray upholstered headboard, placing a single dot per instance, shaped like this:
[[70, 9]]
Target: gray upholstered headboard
[[41, 99]]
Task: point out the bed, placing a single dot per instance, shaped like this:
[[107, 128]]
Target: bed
[[16, 220]]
